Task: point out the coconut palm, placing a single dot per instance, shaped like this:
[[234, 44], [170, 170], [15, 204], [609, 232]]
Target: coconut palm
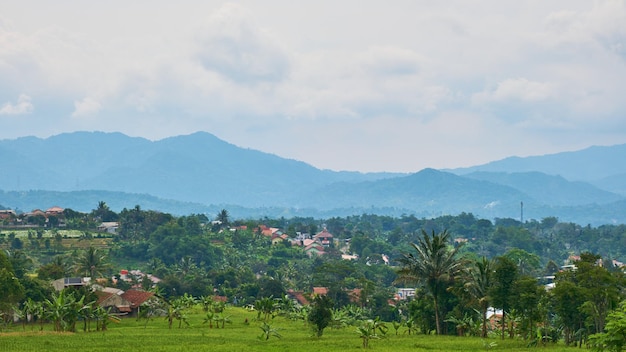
[[478, 283], [91, 262], [434, 264], [223, 217]]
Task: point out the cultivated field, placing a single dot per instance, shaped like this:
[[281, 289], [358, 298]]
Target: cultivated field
[[242, 334]]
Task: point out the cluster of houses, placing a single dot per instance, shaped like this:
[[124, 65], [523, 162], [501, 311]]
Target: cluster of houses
[[312, 244], [37, 217], [116, 301]]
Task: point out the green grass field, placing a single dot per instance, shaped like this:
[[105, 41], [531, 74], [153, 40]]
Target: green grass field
[[131, 335]]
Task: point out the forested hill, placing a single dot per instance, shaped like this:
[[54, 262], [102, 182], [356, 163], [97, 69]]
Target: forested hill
[[199, 171]]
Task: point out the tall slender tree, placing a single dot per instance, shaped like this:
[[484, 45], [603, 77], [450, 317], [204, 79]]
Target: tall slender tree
[[478, 283], [505, 274], [434, 264]]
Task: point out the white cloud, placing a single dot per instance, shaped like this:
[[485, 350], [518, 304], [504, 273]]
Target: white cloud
[[230, 44], [520, 89], [547, 73], [87, 106], [391, 60], [21, 107]]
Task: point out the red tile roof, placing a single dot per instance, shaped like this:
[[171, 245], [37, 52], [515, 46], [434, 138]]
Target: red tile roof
[[299, 296], [324, 234], [136, 297]]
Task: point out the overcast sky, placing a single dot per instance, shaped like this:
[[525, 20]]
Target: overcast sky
[[342, 85]]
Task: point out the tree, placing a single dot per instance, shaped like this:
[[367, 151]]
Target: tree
[[568, 297], [321, 313], [56, 269], [265, 306], [433, 264], [223, 217], [602, 288], [104, 213], [478, 283], [61, 309], [11, 290], [527, 295], [614, 336], [91, 263], [505, 274], [527, 263]]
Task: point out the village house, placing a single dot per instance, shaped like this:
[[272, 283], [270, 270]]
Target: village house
[[324, 237], [314, 249], [405, 293], [279, 237], [55, 210], [122, 302], [110, 227], [66, 282], [7, 214]]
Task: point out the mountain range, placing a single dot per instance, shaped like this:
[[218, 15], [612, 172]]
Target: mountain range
[[201, 173]]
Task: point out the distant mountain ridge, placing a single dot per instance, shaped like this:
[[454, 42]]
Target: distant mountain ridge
[[590, 164], [200, 173]]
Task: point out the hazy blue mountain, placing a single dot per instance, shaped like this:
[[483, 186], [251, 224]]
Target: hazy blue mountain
[[548, 189], [429, 190], [615, 183], [193, 168], [201, 173], [590, 164]]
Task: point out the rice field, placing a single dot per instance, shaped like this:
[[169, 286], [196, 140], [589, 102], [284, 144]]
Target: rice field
[[242, 334]]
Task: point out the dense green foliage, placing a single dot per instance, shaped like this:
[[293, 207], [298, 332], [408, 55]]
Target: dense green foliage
[[459, 265]]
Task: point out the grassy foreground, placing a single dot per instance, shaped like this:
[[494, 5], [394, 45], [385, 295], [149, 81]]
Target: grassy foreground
[[133, 335]]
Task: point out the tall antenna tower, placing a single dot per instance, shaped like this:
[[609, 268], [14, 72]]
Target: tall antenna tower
[[521, 216]]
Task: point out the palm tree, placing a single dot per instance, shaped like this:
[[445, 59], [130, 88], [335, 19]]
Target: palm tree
[[91, 262], [223, 217], [433, 264], [478, 283]]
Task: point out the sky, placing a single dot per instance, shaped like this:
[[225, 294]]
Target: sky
[[366, 86]]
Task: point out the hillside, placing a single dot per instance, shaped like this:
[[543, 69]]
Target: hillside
[[590, 164], [548, 189], [201, 173]]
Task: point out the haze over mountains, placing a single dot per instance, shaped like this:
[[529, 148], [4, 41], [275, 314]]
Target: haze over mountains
[[201, 173]]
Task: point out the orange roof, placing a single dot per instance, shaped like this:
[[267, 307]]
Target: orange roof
[[324, 234], [299, 296], [55, 209], [136, 297], [220, 298], [320, 291]]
